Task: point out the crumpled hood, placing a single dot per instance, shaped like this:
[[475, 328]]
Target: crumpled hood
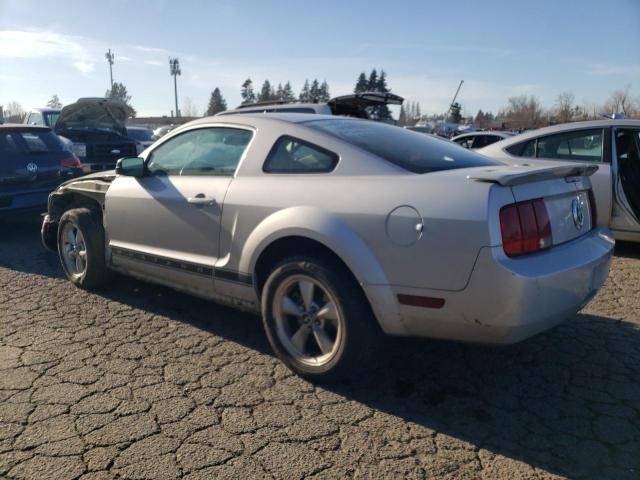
[[104, 176], [91, 113]]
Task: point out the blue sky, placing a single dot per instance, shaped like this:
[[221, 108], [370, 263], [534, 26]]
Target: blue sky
[[499, 48]]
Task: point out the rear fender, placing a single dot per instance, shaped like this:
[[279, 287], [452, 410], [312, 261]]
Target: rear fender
[[320, 226], [335, 234]]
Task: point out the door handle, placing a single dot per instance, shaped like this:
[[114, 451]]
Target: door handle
[[201, 199]]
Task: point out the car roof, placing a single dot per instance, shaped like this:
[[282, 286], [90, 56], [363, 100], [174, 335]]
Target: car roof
[[586, 124], [23, 127], [562, 127], [244, 118], [137, 127], [260, 107]]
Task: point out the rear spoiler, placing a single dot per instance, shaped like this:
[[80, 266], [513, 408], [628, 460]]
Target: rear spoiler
[[514, 175]]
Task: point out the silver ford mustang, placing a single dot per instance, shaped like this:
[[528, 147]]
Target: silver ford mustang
[[338, 230]]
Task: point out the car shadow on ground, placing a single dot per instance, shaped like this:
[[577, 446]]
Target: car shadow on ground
[[21, 250], [566, 401], [627, 249]]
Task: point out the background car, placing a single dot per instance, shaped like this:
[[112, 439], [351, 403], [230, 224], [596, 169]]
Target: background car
[[43, 117], [475, 140], [96, 126], [163, 130], [338, 229], [353, 105], [33, 162], [143, 136], [612, 145]]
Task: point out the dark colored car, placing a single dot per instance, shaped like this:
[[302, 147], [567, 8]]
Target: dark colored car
[[96, 126], [33, 162]]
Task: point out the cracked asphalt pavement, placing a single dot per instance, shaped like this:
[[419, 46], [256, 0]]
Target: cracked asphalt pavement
[[137, 381]]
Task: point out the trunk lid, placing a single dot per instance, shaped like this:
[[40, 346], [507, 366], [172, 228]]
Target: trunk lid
[[355, 104], [94, 113], [565, 190]]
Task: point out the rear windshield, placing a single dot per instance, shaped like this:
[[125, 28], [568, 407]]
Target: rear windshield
[[30, 142], [414, 151]]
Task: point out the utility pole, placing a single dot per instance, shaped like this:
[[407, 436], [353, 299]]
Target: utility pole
[[110, 56], [174, 68]]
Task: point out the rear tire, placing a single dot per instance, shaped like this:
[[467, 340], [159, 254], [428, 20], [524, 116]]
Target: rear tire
[[318, 320], [81, 247]]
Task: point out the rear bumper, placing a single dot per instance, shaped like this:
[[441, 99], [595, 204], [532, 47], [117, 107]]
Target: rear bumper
[[26, 200], [510, 299]]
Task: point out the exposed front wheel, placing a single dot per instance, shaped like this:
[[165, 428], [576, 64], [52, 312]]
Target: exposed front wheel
[[81, 248], [317, 319]]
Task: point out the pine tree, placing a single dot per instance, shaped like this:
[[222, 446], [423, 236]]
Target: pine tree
[[305, 94], [119, 92], [372, 83], [382, 112], [325, 96], [455, 113], [287, 93], [362, 84], [314, 92], [54, 102], [266, 92], [247, 94], [402, 118], [279, 92], [217, 103]]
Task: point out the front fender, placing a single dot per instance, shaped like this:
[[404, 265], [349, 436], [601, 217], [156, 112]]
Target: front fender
[[318, 225]]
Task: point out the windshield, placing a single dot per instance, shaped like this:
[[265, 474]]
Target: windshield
[[141, 134], [51, 118], [416, 152]]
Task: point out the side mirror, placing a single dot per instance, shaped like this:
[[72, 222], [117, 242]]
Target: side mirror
[[130, 167]]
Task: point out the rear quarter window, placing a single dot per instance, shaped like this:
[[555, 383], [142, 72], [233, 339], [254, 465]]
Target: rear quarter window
[[292, 155], [412, 151]]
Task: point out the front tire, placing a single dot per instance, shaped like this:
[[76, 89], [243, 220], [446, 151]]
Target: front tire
[[81, 247], [318, 320]]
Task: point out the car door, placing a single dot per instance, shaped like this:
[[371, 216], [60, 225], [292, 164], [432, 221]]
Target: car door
[[625, 150], [165, 225]]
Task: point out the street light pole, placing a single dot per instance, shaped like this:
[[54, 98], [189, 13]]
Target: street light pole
[[174, 69], [110, 56]]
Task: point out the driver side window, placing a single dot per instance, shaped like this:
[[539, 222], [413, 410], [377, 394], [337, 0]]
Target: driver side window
[[205, 151]]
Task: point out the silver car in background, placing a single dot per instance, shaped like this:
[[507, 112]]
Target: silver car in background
[[337, 230], [611, 145]]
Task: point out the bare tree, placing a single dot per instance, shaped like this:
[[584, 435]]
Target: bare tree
[[621, 101], [523, 112], [14, 113], [565, 108], [188, 108]]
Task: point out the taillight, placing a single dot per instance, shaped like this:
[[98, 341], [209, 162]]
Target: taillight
[[525, 227], [594, 209], [70, 162]]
